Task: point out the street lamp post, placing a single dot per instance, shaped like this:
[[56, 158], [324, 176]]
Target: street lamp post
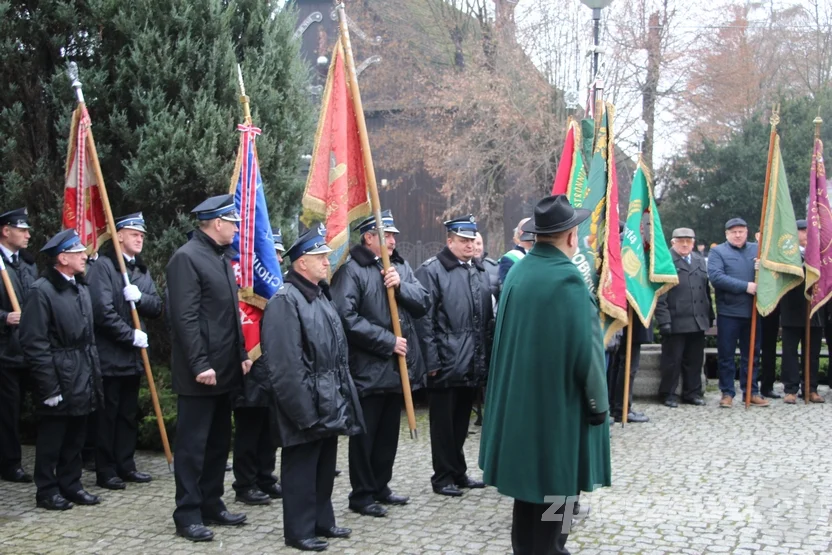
[[597, 6]]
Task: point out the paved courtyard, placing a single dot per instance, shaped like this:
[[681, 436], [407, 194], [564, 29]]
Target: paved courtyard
[[694, 480]]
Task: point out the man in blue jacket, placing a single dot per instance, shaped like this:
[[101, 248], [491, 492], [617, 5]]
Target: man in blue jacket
[[731, 269]]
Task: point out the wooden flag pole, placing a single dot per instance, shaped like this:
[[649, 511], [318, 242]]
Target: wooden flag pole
[[370, 172], [9, 287], [807, 352], [775, 119], [243, 98], [111, 227], [628, 353]]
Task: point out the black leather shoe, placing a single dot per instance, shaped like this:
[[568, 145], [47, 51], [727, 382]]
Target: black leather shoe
[[771, 395], [253, 496], [17, 475], [450, 490], [137, 477], [195, 533], [82, 497], [228, 467], [225, 518], [55, 503], [634, 418], [699, 402], [373, 509], [671, 402], [394, 499], [309, 544], [470, 483], [274, 491], [113, 483], [334, 532], [637, 413]]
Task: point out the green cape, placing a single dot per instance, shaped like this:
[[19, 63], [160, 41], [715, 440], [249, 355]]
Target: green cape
[[547, 371]]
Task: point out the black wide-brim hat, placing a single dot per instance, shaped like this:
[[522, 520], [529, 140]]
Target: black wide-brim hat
[[553, 215]]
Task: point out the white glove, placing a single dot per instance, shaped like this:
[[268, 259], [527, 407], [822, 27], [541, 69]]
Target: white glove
[[132, 294], [139, 339], [53, 401]]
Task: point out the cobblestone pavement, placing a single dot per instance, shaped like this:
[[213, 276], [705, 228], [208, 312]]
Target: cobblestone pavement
[[693, 480]]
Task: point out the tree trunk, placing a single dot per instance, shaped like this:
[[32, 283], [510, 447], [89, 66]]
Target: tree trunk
[[651, 87], [493, 216]]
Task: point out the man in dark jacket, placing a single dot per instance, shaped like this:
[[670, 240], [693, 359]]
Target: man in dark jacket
[[793, 319], [56, 334], [209, 359], [731, 269], [118, 349], [14, 373], [359, 291], [684, 314], [456, 336], [491, 266], [254, 446], [306, 350]]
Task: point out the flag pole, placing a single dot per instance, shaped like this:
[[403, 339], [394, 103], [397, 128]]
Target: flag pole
[[807, 352], [628, 353], [369, 170], [105, 201], [243, 98], [9, 287], [775, 119]]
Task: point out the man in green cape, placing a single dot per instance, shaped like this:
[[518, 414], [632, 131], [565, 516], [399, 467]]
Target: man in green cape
[[545, 435]]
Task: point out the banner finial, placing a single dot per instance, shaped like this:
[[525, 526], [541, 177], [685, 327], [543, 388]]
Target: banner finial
[[72, 73]]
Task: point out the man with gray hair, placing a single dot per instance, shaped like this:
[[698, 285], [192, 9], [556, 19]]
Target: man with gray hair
[[684, 314], [523, 241]]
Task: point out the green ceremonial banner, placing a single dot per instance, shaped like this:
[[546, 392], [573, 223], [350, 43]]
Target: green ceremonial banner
[[646, 279], [781, 265]]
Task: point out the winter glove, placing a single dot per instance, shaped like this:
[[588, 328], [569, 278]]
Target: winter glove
[[139, 339], [53, 401], [597, 418], [132, 294], [664, 329]]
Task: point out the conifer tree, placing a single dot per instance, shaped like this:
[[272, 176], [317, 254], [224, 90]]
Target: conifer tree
[[160, 81]]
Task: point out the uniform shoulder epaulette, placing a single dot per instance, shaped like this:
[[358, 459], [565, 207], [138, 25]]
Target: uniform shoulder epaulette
[[428, 261]]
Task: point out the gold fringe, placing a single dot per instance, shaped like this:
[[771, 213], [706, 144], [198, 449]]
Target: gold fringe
[[615, 312]]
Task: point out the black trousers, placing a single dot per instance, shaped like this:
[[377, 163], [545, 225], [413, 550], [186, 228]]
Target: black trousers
[[307, 472], [531, 535], [450, 414], [91, 438], [768, 350], [13, 384], [254, 449], [117, 427], [618, 376], [58, 455], [373, 453], [683, 354], [203, 439], [792, 375]]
